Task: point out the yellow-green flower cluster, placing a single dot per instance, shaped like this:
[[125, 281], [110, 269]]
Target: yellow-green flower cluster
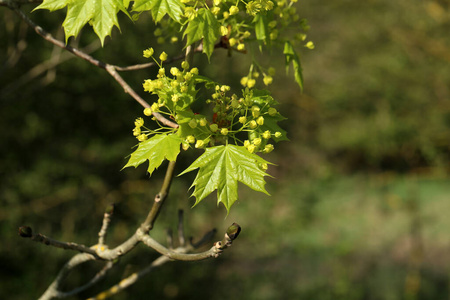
[[250, 80]]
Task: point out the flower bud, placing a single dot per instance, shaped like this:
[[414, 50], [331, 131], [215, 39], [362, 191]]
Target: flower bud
[[266, 134], [142, 137], [190, 139], [194, 71], [163, 56], [242, 119], [251, 148], [148, 111], [224, 131], [260, 120], [139, 122], [148, 52], [251, 83], [267, 80], [193, 123], [310, 45], [268, 148], [233, 10], [277, 134], [257, 141], [185, 65], [223, 30], [199, 144], [214, 127]]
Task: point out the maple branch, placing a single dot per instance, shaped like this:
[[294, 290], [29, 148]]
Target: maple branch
[[133, 278], [159, 199], [53, 289], [110, 68], [106, 221], [27, 232]]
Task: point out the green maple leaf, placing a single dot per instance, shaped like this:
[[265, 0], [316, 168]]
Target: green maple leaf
[[155, 150], [159, 8], [101, 14], [203, 26], [221, 167], [291, 56]]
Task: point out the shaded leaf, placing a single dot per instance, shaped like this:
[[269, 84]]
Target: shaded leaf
[[159, 8], [203, 26], [291, 56]]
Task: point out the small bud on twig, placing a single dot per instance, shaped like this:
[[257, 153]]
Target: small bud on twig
[[25, 231], [233, 231]]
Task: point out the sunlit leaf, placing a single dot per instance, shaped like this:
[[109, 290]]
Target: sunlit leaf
[[155, 150], [221, 168]]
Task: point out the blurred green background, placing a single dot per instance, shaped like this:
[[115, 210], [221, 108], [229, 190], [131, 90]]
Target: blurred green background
[[360, 204]]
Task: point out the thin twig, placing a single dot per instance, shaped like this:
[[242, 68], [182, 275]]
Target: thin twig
[[159, 199], [40, 238], [110, 68], [105, 224], [130, 280], [100, 275], [53, 289]]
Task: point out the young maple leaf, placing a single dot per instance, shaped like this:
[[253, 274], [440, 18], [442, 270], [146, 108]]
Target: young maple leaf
[[221, 167], [155, 150]]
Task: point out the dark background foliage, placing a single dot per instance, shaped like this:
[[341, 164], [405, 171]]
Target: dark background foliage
[[360, 200]]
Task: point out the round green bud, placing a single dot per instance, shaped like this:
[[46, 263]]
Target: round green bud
[[272, 111], [199, 144], [214, 127], [268, 148], [163, 56], [148, 111], [251, 148], [142, 137], [224, 131], [174, 71], [257, 141], [193, 123], [267, 80], [266, 134], [233, 10], [185, 65], [190, 139], [223, 30], [260, 120], [277, 134], [253, 124]]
